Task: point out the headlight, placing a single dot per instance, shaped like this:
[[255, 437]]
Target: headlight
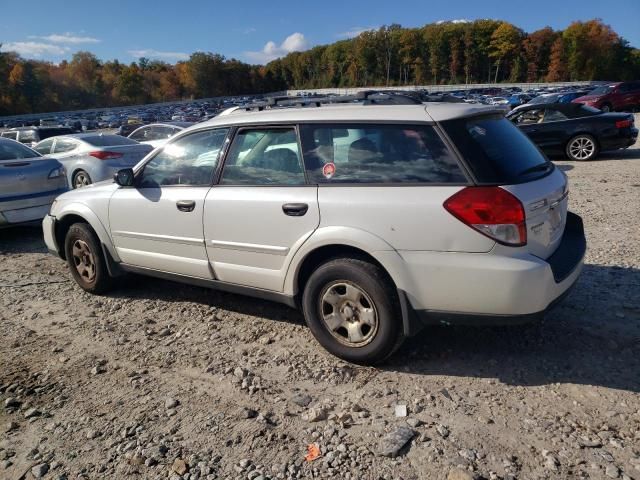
[[58, 172]]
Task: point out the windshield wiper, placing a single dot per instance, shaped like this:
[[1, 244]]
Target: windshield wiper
[[541, 167]]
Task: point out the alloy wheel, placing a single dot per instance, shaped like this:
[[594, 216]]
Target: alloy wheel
[[582, 148], [348, 313], [84, 261]]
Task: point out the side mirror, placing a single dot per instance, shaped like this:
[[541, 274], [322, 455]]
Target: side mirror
[[124, 177]]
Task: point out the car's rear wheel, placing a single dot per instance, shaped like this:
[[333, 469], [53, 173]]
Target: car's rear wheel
[[351, 307], [582, 148], [86, 259], [81, 179]]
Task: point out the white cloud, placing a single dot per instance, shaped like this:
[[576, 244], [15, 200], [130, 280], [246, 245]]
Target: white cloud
[[34, 49], [159, 55], [293, 43], [67, 37], [354, 32], [457, 20]]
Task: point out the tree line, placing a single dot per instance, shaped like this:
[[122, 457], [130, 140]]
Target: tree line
[[482, 51]]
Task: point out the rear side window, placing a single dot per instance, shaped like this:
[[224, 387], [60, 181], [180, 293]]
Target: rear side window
[[373, 153], [11, 135], [496, 150], [265, 156], [64, 145]]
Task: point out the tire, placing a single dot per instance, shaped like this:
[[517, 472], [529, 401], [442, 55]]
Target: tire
[[606, 108], [86, 259], [358, 294], [582, 148], [80, 179]]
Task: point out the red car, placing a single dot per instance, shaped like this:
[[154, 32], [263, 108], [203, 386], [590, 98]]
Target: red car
[[615, 96]]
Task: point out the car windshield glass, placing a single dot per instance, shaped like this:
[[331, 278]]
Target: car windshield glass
[[601, 91], [13, 151], [108, 140], [496, 150]]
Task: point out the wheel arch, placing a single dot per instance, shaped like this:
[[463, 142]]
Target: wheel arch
[[78, 213], [583, 132]]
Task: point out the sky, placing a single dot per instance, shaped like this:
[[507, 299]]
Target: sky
[[259, 31]]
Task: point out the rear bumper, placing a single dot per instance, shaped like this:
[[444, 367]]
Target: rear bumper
[[623, 139], [486, 289], [26, 208]]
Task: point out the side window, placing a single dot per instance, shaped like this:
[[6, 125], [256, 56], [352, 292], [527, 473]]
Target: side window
[[11, 135], [551, 115], [63, 145], [139, 135], [530, 116], [265, 156], [44, 147], [27, 136], [378, 154], [191, 160]]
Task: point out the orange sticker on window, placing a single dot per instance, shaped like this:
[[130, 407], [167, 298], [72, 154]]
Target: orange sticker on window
[[329, 169]]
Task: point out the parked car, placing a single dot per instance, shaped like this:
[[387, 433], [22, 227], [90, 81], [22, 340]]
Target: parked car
[[93, 157], [480, 233], [32, 135], [28, 183], [621, 96], [575, 130], [157, 134]]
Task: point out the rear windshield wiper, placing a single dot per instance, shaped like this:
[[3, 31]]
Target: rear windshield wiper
[[541, 167]]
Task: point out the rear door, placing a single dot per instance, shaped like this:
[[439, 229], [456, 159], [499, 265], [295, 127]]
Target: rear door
[[261, 211]]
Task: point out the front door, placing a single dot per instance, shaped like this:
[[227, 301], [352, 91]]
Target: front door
[[261, 211], [158, 223]]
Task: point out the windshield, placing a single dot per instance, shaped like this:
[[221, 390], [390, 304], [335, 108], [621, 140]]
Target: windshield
[[601, 91], [496, 150]]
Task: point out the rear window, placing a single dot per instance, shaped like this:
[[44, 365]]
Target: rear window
[[108, 140], [373, 153], [13, 151], [496, 150]]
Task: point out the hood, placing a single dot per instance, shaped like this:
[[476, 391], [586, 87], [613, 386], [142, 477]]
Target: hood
[[93, 190]]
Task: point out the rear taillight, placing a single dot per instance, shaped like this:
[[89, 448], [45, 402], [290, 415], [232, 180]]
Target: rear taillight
[[492, 211], [104, 155], [624, 123]]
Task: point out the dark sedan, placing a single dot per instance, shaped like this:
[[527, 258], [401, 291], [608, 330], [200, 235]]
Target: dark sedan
[[577, 131]]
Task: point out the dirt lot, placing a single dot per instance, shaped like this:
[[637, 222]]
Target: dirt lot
[[161, 380]]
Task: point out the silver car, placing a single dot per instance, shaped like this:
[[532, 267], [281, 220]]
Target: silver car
[[375, 220], [157, 134], [93, 157], [28, 183]]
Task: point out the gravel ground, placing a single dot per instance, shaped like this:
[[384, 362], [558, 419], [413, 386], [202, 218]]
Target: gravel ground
[[161, 380]]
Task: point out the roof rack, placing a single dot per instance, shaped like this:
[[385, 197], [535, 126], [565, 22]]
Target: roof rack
[[367, 97]]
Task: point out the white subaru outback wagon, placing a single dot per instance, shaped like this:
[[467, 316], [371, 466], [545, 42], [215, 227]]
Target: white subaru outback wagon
[[374, 217]]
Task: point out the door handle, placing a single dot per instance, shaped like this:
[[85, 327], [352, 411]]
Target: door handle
[[186, 205], [295, 209]]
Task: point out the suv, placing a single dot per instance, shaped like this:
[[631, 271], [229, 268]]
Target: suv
[[32, 135], [433, 213], [623, 96]]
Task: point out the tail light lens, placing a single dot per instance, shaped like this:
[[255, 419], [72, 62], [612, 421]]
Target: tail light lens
[[492, 211], [104, 155], [624, 123]]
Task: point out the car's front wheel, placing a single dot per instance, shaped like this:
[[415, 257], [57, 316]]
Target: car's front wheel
[[582, 148], [351, 307], [86, 260]]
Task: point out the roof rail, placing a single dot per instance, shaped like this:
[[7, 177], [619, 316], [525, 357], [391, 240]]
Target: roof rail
[[367, 97]]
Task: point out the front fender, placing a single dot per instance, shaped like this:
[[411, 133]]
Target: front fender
[[92, 219]]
